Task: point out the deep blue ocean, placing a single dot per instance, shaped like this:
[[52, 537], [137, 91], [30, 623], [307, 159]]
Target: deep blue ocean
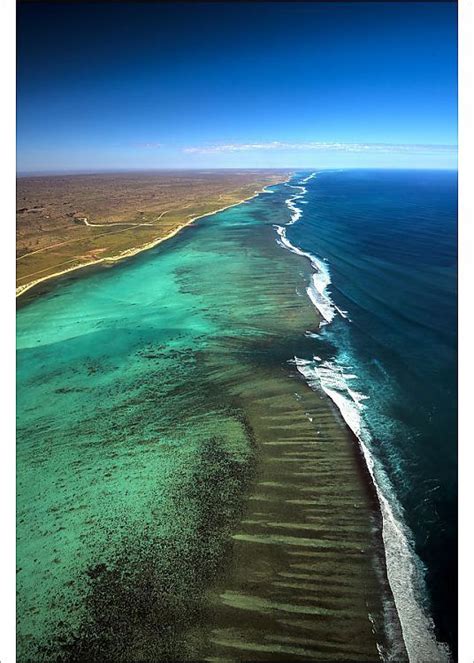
[[384, 248]]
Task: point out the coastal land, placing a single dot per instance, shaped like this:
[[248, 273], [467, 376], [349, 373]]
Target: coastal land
[[67, 222], [183, 494]]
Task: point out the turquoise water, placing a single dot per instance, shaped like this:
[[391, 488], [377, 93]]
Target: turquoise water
[[179, 486], [155, 402]]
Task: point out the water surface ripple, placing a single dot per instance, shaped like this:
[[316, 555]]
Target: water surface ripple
[[182, 492]]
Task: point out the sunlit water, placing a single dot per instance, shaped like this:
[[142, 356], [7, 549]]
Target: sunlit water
[[383, 244], [182, 492]]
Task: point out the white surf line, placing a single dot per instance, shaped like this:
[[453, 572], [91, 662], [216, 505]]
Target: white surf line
[[320, 279], [310, 177], [404, 568]]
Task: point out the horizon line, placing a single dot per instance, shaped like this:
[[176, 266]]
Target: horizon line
[[139, 169]]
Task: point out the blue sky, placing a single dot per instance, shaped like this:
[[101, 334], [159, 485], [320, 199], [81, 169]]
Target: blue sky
[[181, 85]]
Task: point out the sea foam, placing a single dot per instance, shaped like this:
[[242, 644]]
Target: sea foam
[[310, 177], [404, 568], [320, 279], [405, 571]]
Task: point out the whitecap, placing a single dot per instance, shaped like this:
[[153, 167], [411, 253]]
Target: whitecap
[[310, 177], [320, 279], [404, 568]]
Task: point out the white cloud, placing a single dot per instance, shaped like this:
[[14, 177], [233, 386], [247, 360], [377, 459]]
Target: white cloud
[[150, 145], [388, 148]]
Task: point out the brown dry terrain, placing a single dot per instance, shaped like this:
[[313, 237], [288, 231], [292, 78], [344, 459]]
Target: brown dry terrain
[[126, 212]]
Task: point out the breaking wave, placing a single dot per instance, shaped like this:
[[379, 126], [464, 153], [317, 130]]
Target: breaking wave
[[404, 569]]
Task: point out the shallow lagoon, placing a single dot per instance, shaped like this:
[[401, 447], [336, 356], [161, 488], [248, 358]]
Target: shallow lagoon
[[182, 493]]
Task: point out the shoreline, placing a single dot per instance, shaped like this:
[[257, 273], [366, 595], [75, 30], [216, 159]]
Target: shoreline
[[129, 253], [293, 530]]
